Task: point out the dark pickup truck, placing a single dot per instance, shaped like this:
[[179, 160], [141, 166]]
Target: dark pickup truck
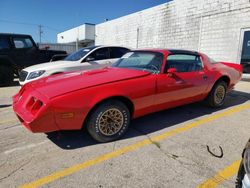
[[18, 51]]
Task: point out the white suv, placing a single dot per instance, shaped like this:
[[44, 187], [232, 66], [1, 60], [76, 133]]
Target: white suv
[[84, 59]]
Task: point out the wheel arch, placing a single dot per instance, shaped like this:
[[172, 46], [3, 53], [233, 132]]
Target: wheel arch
[[123, 99], [224, 78]]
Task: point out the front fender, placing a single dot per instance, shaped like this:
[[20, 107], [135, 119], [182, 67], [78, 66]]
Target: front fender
[[72, 112]]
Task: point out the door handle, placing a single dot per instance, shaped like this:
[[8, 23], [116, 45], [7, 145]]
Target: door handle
[[204, 77]]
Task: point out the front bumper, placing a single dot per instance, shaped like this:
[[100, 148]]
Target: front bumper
[[42, 124], [40, 120]]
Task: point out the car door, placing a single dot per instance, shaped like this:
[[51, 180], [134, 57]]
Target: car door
[[25, 52], [186, 85], [5, 46]]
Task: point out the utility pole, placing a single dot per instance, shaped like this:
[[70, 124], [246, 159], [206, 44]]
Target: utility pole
[[137, 37], [40, 31], [77, 39]]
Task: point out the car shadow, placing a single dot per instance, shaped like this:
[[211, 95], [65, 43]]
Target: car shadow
[[150, 123], [71, 139], [5, 105]]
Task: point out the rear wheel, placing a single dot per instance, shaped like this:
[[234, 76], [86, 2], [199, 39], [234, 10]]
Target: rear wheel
[[6, 75], [217, 95], [109, 121]]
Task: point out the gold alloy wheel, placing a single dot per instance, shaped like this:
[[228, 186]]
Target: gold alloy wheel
[[111, 122], [219, 94]]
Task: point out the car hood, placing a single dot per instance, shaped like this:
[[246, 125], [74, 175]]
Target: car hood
[[49, 65], [56, 85]]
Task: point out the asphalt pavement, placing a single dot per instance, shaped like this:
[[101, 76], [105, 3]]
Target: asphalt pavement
[[165, 149]]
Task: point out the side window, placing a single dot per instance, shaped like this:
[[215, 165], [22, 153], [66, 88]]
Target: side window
[[100, 54], [117, 52], [4, 43], [22, 42], [184, 62]]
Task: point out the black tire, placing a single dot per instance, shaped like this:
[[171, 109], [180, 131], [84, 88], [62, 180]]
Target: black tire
[[212, 99], [240, 176], [6, 75], [101, 115]]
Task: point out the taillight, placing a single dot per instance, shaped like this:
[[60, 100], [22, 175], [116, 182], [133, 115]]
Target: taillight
[[34, 105]]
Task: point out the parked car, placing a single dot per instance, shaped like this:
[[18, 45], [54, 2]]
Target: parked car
[[58, 57], [141, 82], [86, 58], [17, 52], [243, 177]]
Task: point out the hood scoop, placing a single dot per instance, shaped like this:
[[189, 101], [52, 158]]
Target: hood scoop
[[93, 72]]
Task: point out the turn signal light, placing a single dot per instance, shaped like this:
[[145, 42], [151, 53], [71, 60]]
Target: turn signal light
[[67, 115]]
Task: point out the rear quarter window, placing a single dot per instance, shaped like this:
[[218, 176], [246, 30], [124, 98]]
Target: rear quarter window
[[4, 43]]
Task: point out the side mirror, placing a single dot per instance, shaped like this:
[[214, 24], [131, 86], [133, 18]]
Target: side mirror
[[171, 71], [89, 59]]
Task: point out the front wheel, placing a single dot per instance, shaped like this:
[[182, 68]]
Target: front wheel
[[217, 95], [109, 121]]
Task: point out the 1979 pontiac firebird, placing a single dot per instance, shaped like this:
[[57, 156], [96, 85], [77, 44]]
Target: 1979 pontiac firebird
[[105, 100]]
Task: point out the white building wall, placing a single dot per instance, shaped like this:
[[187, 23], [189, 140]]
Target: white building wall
[[69, 48], [211, 26], [89, 32], [222, 30], [85, 32]]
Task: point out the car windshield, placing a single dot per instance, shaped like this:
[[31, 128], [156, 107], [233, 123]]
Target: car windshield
[[141, 60], [79, 54]]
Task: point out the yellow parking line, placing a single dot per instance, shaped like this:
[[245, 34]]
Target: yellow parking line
[[221, 176], [56, 175]]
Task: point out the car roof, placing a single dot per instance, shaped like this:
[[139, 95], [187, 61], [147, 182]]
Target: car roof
[[102, 46], [180, 51], [94, 47], [169, 51], [13, 34]]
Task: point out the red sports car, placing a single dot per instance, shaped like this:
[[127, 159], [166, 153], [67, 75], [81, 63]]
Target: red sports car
[[141, 82]]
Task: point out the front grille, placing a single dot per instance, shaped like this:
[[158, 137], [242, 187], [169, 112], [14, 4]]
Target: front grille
[[23, 75]]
